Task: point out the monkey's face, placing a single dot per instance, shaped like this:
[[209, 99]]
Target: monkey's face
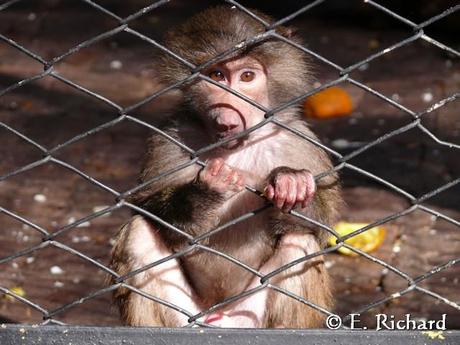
[[226, 114]]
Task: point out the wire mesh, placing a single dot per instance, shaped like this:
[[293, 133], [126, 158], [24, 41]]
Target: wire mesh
[[126, 114]]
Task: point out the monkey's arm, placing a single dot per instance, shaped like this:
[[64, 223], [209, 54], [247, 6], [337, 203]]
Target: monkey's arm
[[296, 188], [190, 207], [188, 199], [293, 189]]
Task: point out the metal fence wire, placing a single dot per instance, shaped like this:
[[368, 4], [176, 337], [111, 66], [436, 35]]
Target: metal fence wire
[[125, 114]]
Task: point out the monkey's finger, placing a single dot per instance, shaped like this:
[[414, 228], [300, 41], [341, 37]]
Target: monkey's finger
[[310, 189], [232, 177], [291, 194], [302, 194], [225, 172], [281, 190], [235, 178], [215, 165], [240, 182], [269, 192]]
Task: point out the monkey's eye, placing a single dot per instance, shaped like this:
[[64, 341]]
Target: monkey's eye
[[216, 75], [247, 76]]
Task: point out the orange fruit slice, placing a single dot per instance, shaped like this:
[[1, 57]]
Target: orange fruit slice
[[331, 102], [367, 241]]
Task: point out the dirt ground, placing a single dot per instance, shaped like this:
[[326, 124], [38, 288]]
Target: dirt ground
[[120, 69]]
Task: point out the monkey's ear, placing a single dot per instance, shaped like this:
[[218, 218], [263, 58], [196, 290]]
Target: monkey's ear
[[287, 32]]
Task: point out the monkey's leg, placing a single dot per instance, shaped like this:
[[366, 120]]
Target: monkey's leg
[[308, 279], [269, 308], [138, 244]]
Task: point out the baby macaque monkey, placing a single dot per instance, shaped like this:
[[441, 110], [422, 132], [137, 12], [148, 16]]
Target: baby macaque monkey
[[274, 161]]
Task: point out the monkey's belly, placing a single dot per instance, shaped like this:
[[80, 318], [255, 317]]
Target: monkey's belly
[[214, 277]]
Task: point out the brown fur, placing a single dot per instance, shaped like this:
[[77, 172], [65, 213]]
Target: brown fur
[[181, 200], [308, 280], [136, 310], [220, 28]]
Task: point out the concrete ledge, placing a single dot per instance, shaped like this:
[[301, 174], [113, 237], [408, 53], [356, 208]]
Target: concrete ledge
[[77, 335]]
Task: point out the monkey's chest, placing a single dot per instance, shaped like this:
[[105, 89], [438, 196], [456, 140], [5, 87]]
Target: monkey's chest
[[248, 239]]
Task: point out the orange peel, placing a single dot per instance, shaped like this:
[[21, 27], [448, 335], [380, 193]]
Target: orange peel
[[17, 290]]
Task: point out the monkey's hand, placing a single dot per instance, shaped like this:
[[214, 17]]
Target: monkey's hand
[[221, 178], [288, 188]]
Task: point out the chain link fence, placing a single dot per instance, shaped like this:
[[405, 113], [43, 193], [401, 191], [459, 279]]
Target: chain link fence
[[343, 162]]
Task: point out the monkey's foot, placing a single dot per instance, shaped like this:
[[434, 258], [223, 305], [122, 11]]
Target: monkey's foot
[[245, 313], [232, 319]]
